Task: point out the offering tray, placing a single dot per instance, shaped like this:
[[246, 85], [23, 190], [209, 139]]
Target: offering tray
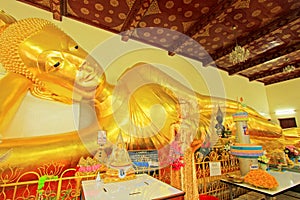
[[234, 178]]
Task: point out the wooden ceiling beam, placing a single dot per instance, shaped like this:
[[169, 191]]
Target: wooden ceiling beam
[[264, 57], [284, 78], [134, 17], [200, 24], [58, 8], [272, 72], [282, 21]]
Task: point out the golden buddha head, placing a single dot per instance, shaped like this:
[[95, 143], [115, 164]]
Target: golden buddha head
[[57, 67]]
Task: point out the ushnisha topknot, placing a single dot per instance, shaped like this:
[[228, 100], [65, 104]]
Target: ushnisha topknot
[[12, 37], [5, 20]]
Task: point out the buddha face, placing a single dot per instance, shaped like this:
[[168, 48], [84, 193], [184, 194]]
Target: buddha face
[[66, 70]]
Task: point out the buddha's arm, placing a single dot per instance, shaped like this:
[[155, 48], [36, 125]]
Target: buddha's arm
[[147, 86], [13, 88]]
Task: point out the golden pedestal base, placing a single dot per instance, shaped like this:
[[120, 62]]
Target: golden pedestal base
[[112, 175]]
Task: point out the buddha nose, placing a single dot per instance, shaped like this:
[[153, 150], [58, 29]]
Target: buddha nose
[[90, 65], [90, 73]]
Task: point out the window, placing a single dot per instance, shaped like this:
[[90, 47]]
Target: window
[[288, 122]]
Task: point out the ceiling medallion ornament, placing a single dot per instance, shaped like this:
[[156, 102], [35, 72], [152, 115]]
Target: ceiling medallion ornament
[[239, 54]]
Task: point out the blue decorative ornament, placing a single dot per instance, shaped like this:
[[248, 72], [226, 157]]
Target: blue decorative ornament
[[122, 173]]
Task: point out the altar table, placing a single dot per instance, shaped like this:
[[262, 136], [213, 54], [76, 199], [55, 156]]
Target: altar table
[[286, 180], [142, 187]]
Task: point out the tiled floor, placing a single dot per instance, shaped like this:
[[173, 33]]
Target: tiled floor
[[285, 197], [256, 196], [289, 196], [251, 196]]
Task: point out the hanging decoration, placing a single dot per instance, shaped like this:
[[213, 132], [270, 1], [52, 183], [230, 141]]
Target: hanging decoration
[[239, 54]]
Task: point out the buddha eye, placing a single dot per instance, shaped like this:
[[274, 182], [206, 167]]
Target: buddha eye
[[49, 61], [56, 64], [53, 64], [73, 47]]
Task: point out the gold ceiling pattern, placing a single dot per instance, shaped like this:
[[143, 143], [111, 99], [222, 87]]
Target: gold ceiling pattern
[[269, 29]]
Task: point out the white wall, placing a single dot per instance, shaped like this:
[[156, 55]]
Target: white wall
[[284, 95], [253, 93], [120, 55]]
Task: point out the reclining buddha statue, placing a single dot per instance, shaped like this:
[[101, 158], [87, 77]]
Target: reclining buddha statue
[[49, 81]]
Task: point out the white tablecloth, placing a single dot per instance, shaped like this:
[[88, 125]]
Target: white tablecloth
[[144, 187]]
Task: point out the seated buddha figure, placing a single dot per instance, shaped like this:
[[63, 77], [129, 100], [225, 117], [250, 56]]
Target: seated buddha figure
[[119, 163]]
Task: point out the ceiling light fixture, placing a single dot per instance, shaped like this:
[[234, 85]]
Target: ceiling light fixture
[[288, 69], [285, 112], [239, 54]]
